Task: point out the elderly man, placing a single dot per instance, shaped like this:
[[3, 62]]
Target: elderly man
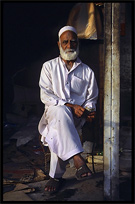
[[69, 91]]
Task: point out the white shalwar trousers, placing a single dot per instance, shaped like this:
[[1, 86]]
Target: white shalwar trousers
[[62, 137]]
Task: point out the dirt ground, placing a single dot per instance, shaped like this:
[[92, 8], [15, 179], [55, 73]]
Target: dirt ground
[[24, 175], [72, 190]]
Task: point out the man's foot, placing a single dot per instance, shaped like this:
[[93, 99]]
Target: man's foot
[[54, 185], [83, 171]]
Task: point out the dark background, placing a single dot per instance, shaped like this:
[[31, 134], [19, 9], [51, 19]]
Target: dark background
[[29, 34], [29, 38]]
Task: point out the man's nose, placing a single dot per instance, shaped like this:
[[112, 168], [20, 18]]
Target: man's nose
[[69, 45]]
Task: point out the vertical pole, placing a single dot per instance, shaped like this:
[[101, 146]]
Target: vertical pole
[[115, 98], [107, 101], [111, 101]]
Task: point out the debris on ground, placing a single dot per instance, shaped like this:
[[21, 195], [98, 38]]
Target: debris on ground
[[25, 172]]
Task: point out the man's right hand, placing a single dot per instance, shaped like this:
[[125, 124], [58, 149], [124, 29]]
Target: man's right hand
[[77, 110]]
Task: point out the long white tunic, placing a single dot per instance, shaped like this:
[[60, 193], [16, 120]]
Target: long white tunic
[[59, 86]]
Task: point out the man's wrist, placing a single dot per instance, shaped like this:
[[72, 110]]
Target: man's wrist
[[69, 105], [90, 109]]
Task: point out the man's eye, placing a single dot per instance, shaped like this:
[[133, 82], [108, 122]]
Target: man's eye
[[65, 42], [73, 41]]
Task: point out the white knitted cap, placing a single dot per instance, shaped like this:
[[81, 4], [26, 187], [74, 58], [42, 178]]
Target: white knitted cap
[[65, 28]]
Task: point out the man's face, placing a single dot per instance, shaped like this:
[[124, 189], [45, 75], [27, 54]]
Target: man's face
[[68, 45]]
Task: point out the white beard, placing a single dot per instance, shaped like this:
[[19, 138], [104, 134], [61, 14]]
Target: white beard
[[66, 55]]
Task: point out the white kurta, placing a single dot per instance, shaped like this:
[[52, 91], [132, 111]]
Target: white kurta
[[57, 87]]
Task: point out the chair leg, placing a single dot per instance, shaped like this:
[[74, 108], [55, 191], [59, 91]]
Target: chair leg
[[46, 154]]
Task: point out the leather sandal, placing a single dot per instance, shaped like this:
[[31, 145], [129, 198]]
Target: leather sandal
[[55, 183], [81, 171]]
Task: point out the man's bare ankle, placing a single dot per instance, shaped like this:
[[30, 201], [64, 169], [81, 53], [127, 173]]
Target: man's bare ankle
[[78, 161]]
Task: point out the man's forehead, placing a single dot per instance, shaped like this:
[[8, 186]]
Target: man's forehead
[[68, 34]]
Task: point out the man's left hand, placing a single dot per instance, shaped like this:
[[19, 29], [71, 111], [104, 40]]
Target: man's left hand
[[91, 116]]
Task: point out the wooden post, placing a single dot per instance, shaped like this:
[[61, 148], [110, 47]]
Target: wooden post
[[111, 101]]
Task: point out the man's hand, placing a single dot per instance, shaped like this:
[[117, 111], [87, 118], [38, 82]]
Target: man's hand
[[77, 110], [91, 116]]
